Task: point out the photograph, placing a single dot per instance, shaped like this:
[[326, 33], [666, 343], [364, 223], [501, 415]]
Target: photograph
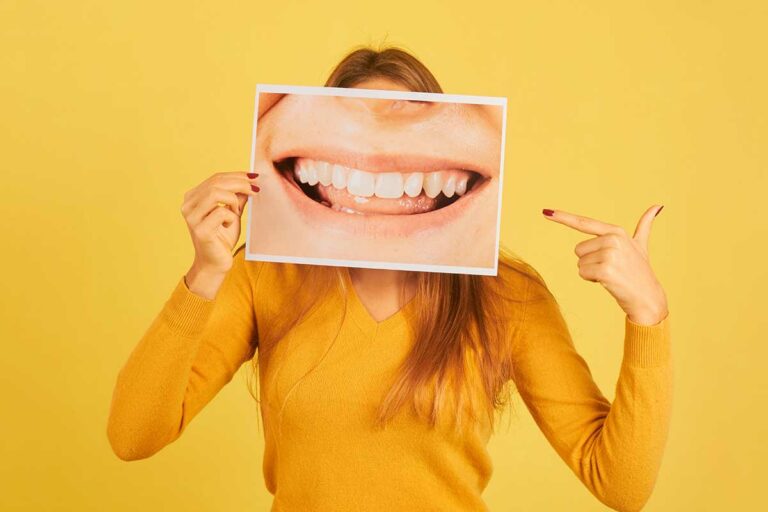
[[377, 179]]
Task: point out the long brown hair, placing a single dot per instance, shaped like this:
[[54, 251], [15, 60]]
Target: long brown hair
[[461, 350]]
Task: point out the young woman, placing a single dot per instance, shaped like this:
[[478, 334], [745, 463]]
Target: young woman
[[379, 389]]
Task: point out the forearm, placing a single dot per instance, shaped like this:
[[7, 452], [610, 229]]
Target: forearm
[[147, 406], [620, 460], [204, 283]]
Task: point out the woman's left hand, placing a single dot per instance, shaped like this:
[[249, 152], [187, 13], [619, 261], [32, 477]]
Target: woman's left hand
[[620, 263]]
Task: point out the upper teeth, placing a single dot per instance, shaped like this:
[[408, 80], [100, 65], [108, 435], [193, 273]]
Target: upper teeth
[[391, 185]]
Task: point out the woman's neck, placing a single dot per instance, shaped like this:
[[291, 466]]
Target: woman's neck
[[381, 290]]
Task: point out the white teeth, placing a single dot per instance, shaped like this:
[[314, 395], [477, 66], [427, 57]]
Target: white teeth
[[461, 185], [339, 177], [303, 174], [324, 173], [297, 172], [433, 184], [413, 184], [449, 187], [311, 175], [389, 185], [361, 183]]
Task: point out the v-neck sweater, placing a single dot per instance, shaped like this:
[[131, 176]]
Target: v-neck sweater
[[321, 383]]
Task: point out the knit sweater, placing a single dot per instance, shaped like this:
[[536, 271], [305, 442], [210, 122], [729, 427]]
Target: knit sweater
[[321, 383]]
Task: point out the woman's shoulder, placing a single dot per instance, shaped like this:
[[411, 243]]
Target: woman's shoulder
[[282, 283], [270, 278]]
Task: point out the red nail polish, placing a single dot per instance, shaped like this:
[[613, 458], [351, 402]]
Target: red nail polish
[[659, 211], [255, 188], [252, 175], [548, 212]]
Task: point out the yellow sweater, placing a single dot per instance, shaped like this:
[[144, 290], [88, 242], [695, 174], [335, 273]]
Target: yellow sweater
[[318, 396]]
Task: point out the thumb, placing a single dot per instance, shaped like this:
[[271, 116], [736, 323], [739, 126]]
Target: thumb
[[643, 229], [241, 200]]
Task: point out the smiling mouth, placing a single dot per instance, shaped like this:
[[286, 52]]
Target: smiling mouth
[[354, 191]]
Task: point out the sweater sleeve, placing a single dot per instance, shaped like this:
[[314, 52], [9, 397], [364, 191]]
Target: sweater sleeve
[[615, 449], [189, 352]]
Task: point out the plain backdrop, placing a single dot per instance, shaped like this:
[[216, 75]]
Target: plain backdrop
[[110, 111]]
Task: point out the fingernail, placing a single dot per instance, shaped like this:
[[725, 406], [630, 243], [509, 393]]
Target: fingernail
[[548, 212], [255, 188], [252, 175], [659, 210]]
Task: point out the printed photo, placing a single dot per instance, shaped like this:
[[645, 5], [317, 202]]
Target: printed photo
[[377, 179]]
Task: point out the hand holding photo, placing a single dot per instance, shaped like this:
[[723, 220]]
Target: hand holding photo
[[376, 178]]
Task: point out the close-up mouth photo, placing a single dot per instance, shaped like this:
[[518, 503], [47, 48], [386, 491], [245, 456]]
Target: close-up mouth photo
[[377, 181], [387, 190]]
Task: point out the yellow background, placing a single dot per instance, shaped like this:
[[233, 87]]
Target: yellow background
[[110, 111]]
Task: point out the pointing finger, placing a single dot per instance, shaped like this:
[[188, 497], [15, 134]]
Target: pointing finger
[[581, 223]]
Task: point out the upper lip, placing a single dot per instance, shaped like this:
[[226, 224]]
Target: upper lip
[[381, 162]]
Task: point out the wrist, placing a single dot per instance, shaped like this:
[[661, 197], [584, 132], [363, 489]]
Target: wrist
[[648, 317], [651, 310], [204, 282]]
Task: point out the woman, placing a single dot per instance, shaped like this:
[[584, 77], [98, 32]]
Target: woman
[[378, 389]]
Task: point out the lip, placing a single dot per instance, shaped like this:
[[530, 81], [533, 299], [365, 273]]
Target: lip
[[379, 225]]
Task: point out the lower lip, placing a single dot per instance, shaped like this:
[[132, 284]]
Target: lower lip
[[378, 226]]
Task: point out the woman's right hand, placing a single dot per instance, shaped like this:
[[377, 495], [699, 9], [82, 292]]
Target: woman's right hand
[[212, 211]]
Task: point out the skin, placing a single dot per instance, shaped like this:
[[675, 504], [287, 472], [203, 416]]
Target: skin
[[613, 258]]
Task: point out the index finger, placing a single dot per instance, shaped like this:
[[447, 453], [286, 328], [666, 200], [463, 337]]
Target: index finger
[[581, 223]]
